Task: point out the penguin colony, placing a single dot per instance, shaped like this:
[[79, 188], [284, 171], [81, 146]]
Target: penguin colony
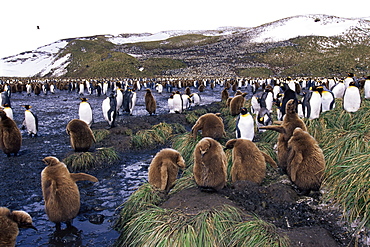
[[298, 153]]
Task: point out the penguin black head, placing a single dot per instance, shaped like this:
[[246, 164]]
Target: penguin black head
[[243, 110], [27, 107], [83, 99]]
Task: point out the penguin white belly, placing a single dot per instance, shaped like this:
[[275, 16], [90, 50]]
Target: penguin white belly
[[159, 88], [338, 90], [327, 99], [351, 99], [119, 98], [177, 103], [30, 122], [81, 89], [300, 111], [85, 112], [105, 108], [255, 105], [105, 88], [170, 105], [367, 89], [195, 99], [269, 101], [9, 112], [315, 104], [245, 127], [133, 102], [185, 102]]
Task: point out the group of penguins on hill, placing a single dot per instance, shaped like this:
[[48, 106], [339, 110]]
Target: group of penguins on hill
[[298, 153]]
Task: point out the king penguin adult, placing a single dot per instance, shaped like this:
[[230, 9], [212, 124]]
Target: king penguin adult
[[245, 125], [312, 102], [328, 100], [85, 112], [30, 122], [109, 109], [352, 98]]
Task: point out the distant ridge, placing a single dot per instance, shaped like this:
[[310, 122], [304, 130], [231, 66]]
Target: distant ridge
[[227, 51]]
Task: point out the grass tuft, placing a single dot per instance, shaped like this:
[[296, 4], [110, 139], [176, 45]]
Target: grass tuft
[[216, 227], [158, 134], [89, 160]]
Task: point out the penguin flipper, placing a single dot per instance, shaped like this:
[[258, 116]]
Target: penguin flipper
[[83, 177], [269, 160], [164, 176], [295, 160]]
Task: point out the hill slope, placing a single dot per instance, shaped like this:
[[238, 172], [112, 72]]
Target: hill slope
[[312, 45]]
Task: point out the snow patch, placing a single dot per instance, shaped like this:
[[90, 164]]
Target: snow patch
[[317, 25]]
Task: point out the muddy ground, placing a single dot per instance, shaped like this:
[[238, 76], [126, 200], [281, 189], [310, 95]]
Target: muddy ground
[[307, 220]]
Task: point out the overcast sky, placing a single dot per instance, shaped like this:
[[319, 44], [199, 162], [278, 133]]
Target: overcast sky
[[68, 19]]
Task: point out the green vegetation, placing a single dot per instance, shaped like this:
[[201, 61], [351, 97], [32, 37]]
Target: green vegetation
[[177, 42], [89, 160], [317, 56], [312, 56], [158, 134], [97, 58], [165, 227]]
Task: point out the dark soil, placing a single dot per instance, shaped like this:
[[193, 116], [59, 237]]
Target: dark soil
[[307, 220]]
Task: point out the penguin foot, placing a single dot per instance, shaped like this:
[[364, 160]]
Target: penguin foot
[[58, 226]]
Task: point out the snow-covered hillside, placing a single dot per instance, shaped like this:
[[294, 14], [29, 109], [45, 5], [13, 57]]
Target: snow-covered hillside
[[46, 60], [306, 25], [40, 62]]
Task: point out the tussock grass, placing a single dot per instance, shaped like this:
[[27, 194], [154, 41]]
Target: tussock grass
[[100, 134], [256, 233], [349, 183], [192, 116], [185, 182], [89, 160], [158, 134], [217, 227], [144, 197], [185, 145]]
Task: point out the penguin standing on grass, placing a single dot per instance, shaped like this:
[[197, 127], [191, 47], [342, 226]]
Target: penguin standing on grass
[[245, 125], [328, 100], [367, 87], [85, 112], [109, 110], [312, 103], [352, 98], [30, 122]]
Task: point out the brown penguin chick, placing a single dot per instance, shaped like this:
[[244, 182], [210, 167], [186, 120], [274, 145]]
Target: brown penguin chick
[[10, 223], [150, 103], [306, 161], [211, 125], [10, 135], [290, 122], [201, 88], [164, 168], [237, 103], [238, 92], [224, 94], [210, 165], [249, 163], [187, 91], [60, 191], [80, 135]]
